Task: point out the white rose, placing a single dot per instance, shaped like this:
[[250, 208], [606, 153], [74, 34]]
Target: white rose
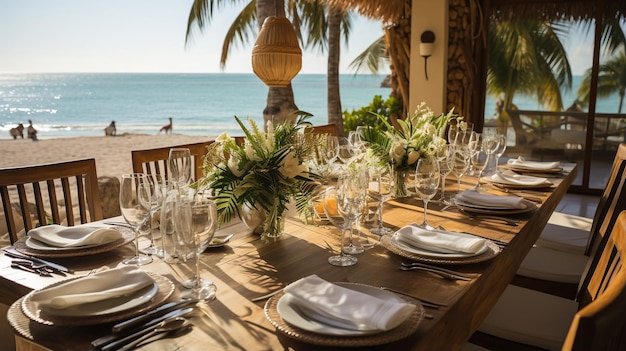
[[233, 165], [250, 153], [291, 167], [413, 157], [397, 152]]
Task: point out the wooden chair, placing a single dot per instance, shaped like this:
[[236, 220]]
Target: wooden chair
[[559, 271], [329, 129], [550, 322], [154, 161], [31, 193]]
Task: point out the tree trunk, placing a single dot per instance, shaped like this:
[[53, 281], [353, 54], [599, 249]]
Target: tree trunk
[[334, 53], [280, 101]]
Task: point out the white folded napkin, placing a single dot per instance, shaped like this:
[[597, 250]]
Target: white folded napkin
[[107, 284], [520, 162], [341, 307], [74, 236], [491, 201], [517, 179], [440, 241]]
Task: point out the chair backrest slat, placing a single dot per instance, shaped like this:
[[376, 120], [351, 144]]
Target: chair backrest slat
[[78, 180], [600, 323], [154, 161]]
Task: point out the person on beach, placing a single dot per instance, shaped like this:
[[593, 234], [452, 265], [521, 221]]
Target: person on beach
[[167, 128], [31, 131], [110, 130], [17, 131]]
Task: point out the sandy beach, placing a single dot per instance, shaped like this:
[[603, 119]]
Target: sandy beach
[[112, 154]]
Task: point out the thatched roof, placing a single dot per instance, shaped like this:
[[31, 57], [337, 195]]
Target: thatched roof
[[389, 11]]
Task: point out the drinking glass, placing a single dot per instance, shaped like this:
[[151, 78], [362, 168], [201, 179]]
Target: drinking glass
[[192, 223], [135, 211], [426, 183], [460, 163], [445, 157], [380, 185], [500, 149], [352, 186], [338, 212], [152, 198], [179, 166], [346, 153], [491, 142], [479, 159], [332, 148]]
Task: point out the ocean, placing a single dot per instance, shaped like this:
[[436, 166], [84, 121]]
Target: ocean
[[82, 104]]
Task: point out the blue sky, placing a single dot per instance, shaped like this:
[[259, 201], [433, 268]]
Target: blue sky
[[149, 36], [132, 36]]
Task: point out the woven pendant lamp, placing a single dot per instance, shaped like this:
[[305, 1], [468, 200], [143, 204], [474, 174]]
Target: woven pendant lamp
[[276, 56]]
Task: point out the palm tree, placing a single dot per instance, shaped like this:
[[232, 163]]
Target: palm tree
[[611, 79], [527, 57], [309, 14]]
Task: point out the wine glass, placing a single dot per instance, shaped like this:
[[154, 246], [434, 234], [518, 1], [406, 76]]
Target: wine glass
[[500, 149], [346, 153], [491, 141], [193, 222], [426, 183], [445, 157], [152, 198], [460, 163], [352, 186], [479, 158], [380, 185], [332, 148], [179, 166], [135, 211], [338, 213]]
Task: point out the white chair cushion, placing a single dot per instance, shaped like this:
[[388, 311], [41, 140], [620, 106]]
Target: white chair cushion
[[566, 232], [553, 265], [530, 317]]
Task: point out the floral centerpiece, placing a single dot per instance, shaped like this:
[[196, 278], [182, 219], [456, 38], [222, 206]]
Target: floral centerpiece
[[264, 172], [421, 134]]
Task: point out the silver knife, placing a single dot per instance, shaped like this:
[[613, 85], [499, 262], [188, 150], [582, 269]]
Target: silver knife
[[115, 341], [12, 252], [161, 310]]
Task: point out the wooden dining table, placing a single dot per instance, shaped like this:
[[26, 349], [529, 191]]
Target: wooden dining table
[[247, 268]]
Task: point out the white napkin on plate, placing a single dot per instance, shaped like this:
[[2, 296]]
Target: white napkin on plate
[[440, 241], [491, 201], [107, 284], [513, 178], [75, 236], [341, 307], [520, 162]]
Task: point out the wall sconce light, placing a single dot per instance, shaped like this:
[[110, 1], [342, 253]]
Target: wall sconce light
[[426, 48]]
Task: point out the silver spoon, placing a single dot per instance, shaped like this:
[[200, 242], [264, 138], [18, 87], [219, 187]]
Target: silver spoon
[[164, 328]]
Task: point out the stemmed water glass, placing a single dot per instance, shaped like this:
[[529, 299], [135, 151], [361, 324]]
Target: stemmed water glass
[[479, 158], [445, 158], [460, 163], [339, 213], [193, 223], [135, 211], [380, 185], [153, 199], [352, 188], [179, 166], [491, 142], [426, 182], [500, 149]]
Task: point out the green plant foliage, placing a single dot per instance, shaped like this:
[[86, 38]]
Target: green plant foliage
[[367, 115]]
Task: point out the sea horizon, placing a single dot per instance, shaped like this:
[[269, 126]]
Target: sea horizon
[[65, 105]]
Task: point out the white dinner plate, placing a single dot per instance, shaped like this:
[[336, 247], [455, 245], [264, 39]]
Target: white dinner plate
[[290, 315], [480, 209], [108, 306], [428, 253], [38, 245], [495, 207]]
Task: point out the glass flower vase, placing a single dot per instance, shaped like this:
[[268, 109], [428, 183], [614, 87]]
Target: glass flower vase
[[401, 187], [267, 224]]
